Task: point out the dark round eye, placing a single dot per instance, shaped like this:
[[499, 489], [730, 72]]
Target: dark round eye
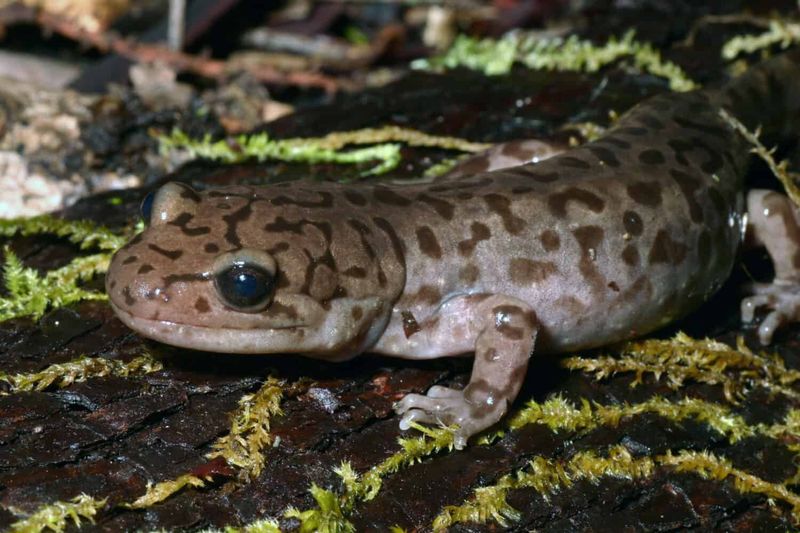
[[146, 209], [245, 286]]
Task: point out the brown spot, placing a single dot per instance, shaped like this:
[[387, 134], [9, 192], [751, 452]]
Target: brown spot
[[616, 141], [524, 271], [501, 206], [410, 325], [443, 208], [571, 304], [469, 273], [233, 220], [541, 177], [427, 294], [550, 240], [112, 284], [428, 244], [630, 255], [666, 250], [201, 305], [604, 154], [521, 190], [357, 312], [172, 255], [558, 202], [632, 130], [650, 121], [720, 205], [355, 198], [182, 221], [130, 259], [355, 272], [703, 127], [589, 239], [126, 293], [480, 232], [613, 286], [187, 193], [144, 269], [651, 156], [645, 192], [211, 248], [387, 196], [704, 248], [573, 162], [513, 322], [679, 147], [688, 184], [397, 244], [223, 205], [325, 200], [633, 223]]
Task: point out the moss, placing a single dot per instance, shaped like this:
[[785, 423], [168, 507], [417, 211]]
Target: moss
[[82, 232], [244, 445], [327, 517], [325, 149], [546, 477], [78, 370], [560, 415], [780, 33], [709, 466], [54, 516], [497, 56], [31, 294], [683, 359], [779, 169], [159, 492]]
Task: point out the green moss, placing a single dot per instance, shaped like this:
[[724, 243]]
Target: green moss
[[54, 516], [546, 477], [244, 445], [159, 492], [683, 359], [779, 169], [497, 56], [327, 517], [31, 294], [780, 33], [78, 370], [327, 149]]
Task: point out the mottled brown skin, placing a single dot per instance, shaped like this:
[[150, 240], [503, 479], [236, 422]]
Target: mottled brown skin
[[604, 242]]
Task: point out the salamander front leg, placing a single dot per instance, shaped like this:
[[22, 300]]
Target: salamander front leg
[[774, 222], [506, 330]]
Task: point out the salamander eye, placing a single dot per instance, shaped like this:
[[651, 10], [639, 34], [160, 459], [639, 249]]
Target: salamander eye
[[146, 208], [245, 286]]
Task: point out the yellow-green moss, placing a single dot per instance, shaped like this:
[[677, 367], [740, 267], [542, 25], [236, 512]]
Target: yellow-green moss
[[327, 517], [157, 493], [682, 359], [545, 476], [496, 56], [311, 150], [249, 436], [265, 525], [779, 169], [780, 32], [31, 294], [709, 466], [78, 370], [54, 516]]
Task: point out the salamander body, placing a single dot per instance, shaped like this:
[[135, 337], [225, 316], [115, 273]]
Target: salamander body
[[603, 242]]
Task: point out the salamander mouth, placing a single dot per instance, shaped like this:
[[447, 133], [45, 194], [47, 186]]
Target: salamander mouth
[[282, 339]]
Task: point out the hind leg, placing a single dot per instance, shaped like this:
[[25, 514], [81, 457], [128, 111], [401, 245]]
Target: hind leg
[[774, 222]]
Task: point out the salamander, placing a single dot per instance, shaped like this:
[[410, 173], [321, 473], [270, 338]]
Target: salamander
[[603, 242]]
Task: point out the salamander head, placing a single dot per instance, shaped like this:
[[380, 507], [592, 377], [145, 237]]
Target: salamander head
[[208, 274]]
